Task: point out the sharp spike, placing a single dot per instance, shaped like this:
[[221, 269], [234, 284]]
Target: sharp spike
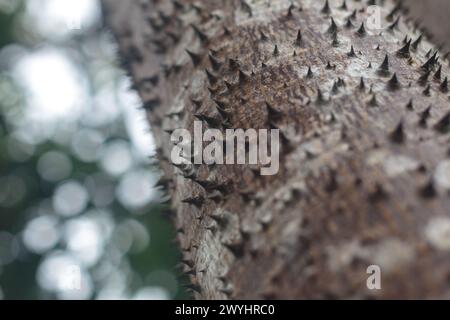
[[227, 291], [195, 57], [220, 106], [272, 112], [384, 67], [326, 8], [424, 78], [233, 63], [362, 85], [361, 30], [212, 122], [276, 52], [196, 201], [444, 86], [435, 56], [242, 77], [394, 25], [298, 41], [424, 115], [320, 99], [212, 79], [236, 249], [404, 51], [443, 125], [332, 184], [437, 75], [228, 85], [373, 101], [398, 135], [429, 64], [193, 287], [335, 88], [427, 91], [226, 31], [349, 24], [290, 11], [378, 194], [189, 262], [352, 16], [263, 36], [352, 52], [335, 42], [200, 34], [428, 191], [416, 43], [333, 27], [392, 13], [309, 73], [215, 64], [393, 83], [151, 104], [410, 105], [246, 7]]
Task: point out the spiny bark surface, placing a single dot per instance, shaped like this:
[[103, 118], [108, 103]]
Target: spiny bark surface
[[365, 169]]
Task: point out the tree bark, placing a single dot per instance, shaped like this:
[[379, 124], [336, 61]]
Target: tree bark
[[365, 172]]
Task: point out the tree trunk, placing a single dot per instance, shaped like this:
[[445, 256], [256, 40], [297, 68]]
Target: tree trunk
[[364, 170]]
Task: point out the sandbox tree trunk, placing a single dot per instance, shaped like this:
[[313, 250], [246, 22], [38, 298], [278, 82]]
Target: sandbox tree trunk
[[364, 115]]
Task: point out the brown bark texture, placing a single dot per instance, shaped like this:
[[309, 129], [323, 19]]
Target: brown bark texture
[[364, 117]]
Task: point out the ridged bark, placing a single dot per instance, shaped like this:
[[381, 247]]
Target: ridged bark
[[365, 169]]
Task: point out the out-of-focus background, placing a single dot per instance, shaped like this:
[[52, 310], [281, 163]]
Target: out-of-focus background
[[80, 216]]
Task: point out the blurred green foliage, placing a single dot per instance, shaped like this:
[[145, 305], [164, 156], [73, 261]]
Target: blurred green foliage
[[6, 21], [23, 191]]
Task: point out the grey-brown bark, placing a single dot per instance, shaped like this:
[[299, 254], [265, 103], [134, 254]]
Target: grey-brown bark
[[364, 175]]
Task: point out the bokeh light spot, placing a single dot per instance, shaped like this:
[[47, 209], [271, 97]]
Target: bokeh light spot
[[70, 198], [41, 234], [54, 166]]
